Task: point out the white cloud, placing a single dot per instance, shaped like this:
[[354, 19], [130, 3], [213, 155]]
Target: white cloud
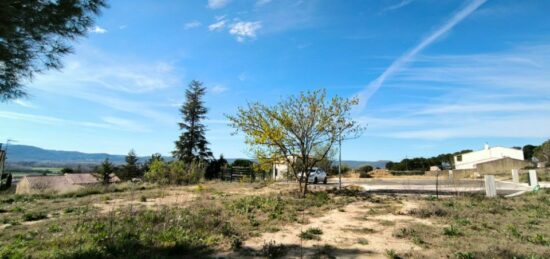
[[242, 76], [398, 64], [396, 6], [218, 89], [125, 85], [121, 76], [111, 123], [125, 124], [503, 94], [192, 25], [216, 4], [507, 127], [122, 27], [217, 25], [48, 120], [243, 30], [262, 2], [24, 104], [97, 29]]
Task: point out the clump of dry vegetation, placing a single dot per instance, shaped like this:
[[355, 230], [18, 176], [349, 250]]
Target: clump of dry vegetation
[[215, 221], [477, 227]]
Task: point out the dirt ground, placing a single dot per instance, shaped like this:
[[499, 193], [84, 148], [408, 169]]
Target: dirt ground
[[181, 196], [354, 231]]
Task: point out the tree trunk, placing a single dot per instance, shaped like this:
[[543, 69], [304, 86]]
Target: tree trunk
[[305, 188], [300, 184]]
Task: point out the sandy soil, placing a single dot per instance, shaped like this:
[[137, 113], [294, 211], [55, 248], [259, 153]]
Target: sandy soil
[[172, 198], [181, 196], [353, 232]]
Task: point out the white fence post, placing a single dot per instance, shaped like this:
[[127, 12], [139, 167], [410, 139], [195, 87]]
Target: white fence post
[[533, 181], [515, 175], [490, 187]]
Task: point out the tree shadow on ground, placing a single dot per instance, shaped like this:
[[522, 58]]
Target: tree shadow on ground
[[273, 250]]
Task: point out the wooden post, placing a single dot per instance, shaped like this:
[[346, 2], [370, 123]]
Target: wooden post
[[515, 175], [533, 181], [490, 187]]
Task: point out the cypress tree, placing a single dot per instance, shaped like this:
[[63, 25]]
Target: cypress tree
[[192, 143]]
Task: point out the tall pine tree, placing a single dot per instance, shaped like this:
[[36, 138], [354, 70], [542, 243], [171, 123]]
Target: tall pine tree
[[192, 143], [131, 168]]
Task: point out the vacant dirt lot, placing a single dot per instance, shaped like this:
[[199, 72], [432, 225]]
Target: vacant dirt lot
[[270, 220]]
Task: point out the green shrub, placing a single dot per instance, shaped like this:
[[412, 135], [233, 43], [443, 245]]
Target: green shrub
[[464, 255], [391, 253], [33, 216], [175, 172], [273, 250], [311, 234], [54, 228], [363, 241], [451, 231]]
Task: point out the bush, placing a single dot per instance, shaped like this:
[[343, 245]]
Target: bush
[[273, 250], [311, 233], [175, 172], [32, 216], [451, 231], [365, 168]]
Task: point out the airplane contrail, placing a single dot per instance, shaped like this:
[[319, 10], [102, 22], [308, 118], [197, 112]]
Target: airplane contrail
[[374, 85]]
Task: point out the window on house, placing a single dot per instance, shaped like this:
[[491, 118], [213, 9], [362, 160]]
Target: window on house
[[459, 158]]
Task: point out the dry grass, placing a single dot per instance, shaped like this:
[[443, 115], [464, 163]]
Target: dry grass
[[220, 217], [475, 226]]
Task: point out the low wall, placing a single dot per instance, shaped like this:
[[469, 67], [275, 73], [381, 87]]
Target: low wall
[[473, 173], [501, 166]]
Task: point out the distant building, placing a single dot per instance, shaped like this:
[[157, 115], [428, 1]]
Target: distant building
[[488, 154], [281, 169], [58, 183]]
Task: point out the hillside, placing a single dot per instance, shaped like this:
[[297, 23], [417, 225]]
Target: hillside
[[24, 153]]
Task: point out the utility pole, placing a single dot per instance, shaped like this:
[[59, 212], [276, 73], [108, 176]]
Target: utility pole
[[340, 138], [340, 162]]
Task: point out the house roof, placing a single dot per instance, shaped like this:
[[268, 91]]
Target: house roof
[[47, 182], [61, 181], [81, 178]]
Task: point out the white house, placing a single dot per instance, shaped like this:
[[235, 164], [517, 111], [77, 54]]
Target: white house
[[470, 160], [281, 169]]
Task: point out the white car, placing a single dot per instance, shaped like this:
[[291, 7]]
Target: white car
[[317, 175]]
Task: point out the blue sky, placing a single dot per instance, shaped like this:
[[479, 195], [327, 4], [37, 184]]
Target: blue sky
[[433, 76]]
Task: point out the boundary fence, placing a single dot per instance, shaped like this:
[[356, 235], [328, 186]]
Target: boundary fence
[[243, 174]]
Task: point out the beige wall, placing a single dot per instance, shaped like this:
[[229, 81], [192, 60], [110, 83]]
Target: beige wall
[[498, 167], [22, 186], [501, 166]]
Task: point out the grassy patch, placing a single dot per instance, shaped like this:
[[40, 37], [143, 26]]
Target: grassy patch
[[392, 254], [362, 241], [486, 228], [361, 230], [217, 220], [33, 216], [412, 234], [311, 234], [452, 231], [273, 250]]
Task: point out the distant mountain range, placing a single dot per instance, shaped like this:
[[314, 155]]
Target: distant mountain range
[[23, 153]]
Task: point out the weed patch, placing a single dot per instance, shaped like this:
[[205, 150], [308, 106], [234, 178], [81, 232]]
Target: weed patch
[[33, 216], [311, 234]]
